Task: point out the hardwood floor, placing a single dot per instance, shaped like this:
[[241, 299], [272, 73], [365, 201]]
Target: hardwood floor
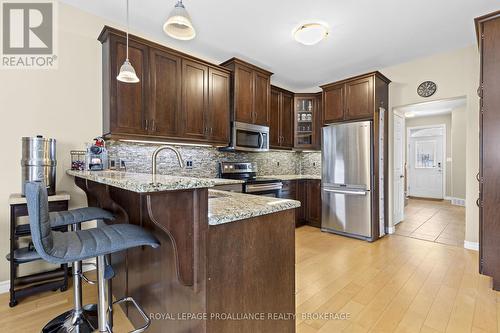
[[397, 284], [436, 221]]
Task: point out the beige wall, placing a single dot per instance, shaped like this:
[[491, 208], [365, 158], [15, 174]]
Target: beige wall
[[64, 104], [456, 74], [437, 120]]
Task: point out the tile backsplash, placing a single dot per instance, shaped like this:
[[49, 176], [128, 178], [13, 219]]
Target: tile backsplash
[[137, 157]]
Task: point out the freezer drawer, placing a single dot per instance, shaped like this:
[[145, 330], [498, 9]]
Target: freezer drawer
[[346, 211]]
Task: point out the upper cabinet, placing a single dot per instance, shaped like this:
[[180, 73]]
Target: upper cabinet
[[355, 98], [178, 98], [251, 92], [307, 121], [281, 118]]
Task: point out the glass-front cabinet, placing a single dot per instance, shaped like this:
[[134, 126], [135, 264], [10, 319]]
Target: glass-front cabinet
[[307, 121]]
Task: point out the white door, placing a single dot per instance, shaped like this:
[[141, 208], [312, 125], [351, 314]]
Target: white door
[[426, 162], [399, 172]]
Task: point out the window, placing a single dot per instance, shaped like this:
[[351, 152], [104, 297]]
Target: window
[[425, 154]]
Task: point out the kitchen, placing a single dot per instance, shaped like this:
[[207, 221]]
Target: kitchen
[[225, 115]]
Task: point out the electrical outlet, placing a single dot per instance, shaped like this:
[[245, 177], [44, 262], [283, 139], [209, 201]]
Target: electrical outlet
[[189, 164], [314, 164], [277, 163]]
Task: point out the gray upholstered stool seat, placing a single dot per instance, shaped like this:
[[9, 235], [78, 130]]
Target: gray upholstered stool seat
[[90, 243], [78, 245]]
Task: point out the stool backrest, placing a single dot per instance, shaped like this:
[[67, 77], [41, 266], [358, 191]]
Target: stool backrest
[[38, 211]]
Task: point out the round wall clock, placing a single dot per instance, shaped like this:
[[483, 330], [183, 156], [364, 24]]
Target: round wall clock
[[426, 89]]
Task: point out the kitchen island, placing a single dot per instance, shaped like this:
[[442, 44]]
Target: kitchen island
[[226, 261]]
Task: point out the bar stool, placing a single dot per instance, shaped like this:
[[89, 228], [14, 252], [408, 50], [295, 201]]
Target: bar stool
[[65, 247], [81, 318]]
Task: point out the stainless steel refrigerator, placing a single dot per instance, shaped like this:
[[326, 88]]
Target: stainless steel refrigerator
[[346, 189]]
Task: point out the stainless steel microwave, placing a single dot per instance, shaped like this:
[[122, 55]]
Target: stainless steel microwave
[[249, 137]]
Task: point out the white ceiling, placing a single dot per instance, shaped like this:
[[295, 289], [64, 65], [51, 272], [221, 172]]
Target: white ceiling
[[364, 35], [433, 108]]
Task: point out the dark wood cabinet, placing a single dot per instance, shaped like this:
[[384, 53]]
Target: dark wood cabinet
[[281, 118], [125, 106], [488, 30], [313, 207], [300, 213], [333, 103], [194, 100], [251, 92], [308, 192], [165, 95], [178, 98], [353, 99], [307, 120], [218, 107]]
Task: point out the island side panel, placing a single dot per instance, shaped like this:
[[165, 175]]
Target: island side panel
[[251, 269], [159, 279]]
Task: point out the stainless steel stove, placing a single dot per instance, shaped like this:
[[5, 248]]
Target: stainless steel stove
[[247, 171]]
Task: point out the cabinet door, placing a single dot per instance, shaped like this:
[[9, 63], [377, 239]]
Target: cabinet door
[[243, 94], [218, 105], [128, 110], [302, 197], [287, 118], [314, 203], [274, 119], [359, 98], [317, 122], [262, 96], [333, 104], [165, 93], [194, 99]]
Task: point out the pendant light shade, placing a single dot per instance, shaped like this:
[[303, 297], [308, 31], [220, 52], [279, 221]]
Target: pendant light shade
[[127, 72], [178, 24]]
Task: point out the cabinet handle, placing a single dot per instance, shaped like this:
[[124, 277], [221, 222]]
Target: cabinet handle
[[477, 177], [153, 126], [479, 91], [478, 202], [211, 130], [146, 125]]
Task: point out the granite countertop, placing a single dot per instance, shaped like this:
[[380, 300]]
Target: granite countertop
[[224, 207], [293, 177], [145, 183]]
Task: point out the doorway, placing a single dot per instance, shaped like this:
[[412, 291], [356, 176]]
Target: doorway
[[428, 171], [425, 157]]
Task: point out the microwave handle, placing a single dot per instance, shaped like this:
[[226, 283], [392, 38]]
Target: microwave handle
[[261, 140]]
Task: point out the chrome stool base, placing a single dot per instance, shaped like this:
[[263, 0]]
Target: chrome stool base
[[70, 321]]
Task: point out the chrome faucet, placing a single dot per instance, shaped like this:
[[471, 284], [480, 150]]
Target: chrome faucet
[[161, 148]]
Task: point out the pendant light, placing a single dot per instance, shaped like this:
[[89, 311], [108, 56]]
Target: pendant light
[[178, 24], [127, 72]]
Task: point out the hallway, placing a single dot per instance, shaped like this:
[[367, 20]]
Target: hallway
[[435, 221]]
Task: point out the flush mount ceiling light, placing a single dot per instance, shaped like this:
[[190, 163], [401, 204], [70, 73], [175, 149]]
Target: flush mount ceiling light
[[178, 24], [127, 71], [310, 33]]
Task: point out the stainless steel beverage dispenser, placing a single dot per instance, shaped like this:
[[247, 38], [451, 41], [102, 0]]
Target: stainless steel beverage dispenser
[[39, 162]]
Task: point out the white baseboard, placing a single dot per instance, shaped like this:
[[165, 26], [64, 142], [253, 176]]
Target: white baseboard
[[5, 285], [456, 201], [471, 245]]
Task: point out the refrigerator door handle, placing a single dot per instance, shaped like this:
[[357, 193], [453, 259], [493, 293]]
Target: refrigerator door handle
[[345, 192]]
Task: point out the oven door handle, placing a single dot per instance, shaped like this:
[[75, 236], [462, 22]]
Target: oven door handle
[[267, 187]]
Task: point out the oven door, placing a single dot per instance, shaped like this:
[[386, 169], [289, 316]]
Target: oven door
[[248, 137], [266, 189]]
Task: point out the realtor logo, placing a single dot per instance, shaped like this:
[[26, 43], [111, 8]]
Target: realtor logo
[[28, 34]]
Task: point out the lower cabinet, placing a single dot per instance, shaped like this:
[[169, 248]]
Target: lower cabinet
[[308, 192]]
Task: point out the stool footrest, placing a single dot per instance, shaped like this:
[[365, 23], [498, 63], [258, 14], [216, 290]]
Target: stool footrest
[[147, 321]]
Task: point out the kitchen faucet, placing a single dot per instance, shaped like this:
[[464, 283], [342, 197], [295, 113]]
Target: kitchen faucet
[[161, 148]]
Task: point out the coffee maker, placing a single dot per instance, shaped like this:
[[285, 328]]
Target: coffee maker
[[97, 155]]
